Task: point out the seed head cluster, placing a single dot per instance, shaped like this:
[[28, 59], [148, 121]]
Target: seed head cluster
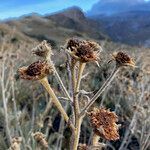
[[83, 50], [104, 123], [40, 139], [82, 147], [43, 50], [15, 143], [35, 71], [123, 59]]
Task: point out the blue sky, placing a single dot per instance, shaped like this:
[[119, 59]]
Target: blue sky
[[15, 8]]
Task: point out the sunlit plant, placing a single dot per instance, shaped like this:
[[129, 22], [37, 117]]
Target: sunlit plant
[[79, 52]]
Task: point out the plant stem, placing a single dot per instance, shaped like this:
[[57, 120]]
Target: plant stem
[[100, 91], [15, 113], [76, 102], [78, 120], [48, 107], [4, 99], [96, 144], [81, 68], [62, 85], [95, 139], [48, 58], [55, 100], [77, 133], [73, 79]]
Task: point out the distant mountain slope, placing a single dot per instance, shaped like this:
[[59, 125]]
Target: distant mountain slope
[[59, 26], [129, 27], [11, 37], [124, 21], [109, 7]]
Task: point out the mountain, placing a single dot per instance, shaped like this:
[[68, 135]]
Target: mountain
[[109, 7], [124, 21], [131, 27], [58, 26]]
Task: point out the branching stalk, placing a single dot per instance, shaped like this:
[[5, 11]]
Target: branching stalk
[[8, 133], [48, 107], [81, 68], [62, 85], [77, 133], [78, 120], [95, 139], [56, 102], [76, 102], [48, 58], [100, 91]]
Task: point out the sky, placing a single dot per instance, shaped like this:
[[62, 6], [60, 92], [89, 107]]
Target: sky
[[16, 8]]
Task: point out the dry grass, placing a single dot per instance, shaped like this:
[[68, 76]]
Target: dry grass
[[26, 108]]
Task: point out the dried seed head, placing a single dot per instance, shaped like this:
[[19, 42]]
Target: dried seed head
[[83, 50], [35, 71], [15, 143], [43, 50], [73, 43], [40, 139], [104, 123], [82, 147], [122, 59], [17, 140]]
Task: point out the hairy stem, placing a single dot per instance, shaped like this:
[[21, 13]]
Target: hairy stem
[[78, 120], [81, 68], [77, 133], [76, 102], [95, 139], [100, 91], [15, 113], [48, 107], [4, 99], [62, 85], [55, 100], [96, 144], [73, 79], [48, 58]]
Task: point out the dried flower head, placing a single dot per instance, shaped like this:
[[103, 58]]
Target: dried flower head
[[15, 143], [43, 50], [40, 139], [83, 50], [82, 147], [122, 59], [104, 123], [35, 71], [73, 43]]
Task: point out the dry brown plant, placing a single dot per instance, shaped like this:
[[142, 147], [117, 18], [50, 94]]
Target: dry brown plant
[[79, 52]]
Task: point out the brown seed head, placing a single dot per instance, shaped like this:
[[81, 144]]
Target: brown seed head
[[35, 71], [122, 59], [82, 147], [40, 139], [43, 50], [73, 43], [83, 50], [104, 123], [16, 140], [15, 143]]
